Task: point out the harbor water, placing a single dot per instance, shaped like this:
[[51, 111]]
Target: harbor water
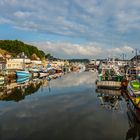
[[67, 108]]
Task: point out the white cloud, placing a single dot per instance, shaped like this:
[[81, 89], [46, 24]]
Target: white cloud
[[78, 18], [89, 50], [20, 14], [69, 50], [123, 49]]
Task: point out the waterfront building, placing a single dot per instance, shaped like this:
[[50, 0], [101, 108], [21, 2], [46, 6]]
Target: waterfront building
[[58, 63], [94, 62], [36, 63], [2, 62], [17, 63]]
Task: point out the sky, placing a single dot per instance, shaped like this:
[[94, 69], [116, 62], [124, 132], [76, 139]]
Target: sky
[[74, 28]]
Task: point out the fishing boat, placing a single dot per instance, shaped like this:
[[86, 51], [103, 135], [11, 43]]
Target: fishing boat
[[134, 92], [109, 77], [134, 88], [133, 72], [34, 72], [22, 73], [43, 74]]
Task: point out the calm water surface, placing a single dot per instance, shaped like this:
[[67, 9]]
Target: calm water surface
[[67, 108]]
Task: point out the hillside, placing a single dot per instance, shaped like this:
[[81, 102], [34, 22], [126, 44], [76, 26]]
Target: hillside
[[3, 52], [15, 47]]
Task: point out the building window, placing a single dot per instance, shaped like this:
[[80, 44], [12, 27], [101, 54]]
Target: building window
[[9, 65]]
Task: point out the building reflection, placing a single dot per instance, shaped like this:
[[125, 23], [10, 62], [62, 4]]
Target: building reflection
[[133, 114], [17, 90], [109, 99]]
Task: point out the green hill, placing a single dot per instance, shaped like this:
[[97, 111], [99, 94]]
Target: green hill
[[15, 47]]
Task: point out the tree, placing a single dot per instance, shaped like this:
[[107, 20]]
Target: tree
[[34, 57], [14, 47]]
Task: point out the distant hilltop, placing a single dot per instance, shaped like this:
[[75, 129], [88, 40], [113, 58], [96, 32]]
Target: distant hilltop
[[15, 47]]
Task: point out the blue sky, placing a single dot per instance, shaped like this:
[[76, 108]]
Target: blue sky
[[73, 28]]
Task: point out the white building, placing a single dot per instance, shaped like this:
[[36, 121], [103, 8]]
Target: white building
[[16, 63], [36, 62]]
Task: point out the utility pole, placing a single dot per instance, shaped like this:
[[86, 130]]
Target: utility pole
[[136, 50], [136, 55]]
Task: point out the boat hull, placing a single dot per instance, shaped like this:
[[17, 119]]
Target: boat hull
[[20, 74], [108, 84], [134, 95], [43, 74]]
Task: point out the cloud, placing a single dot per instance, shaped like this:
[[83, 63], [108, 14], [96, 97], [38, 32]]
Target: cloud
[[93, 20], [89, 50], [126, 49], [20, 14], [69, 50]]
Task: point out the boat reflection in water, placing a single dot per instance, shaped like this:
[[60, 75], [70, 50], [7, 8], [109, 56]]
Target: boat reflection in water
[[110, 99], [22, 87], [133, 114], [22, 80]]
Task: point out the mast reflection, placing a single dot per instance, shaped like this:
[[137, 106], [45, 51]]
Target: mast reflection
[[110, 99]]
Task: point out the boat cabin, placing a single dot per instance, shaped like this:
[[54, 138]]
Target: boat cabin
[[133, 73]]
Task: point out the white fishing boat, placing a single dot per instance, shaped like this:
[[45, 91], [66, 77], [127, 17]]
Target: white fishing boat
[[43, 74], [34, 72], [134, 92]]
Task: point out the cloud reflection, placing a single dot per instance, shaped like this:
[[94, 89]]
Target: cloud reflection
[[79, 79]]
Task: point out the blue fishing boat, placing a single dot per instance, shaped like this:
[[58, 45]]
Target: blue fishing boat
[[23, 73]]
